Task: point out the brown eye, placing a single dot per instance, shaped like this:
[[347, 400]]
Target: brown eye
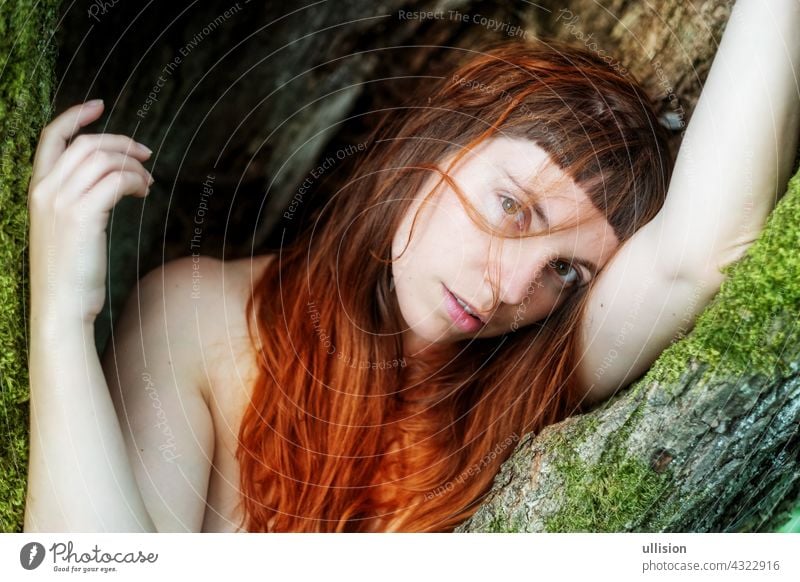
[[564, 269], [510, 205], [513, 209]]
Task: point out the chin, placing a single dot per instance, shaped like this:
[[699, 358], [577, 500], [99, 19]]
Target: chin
[[428, 331]]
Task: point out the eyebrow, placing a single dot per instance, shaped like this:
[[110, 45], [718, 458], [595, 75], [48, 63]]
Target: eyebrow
[[531, 197], [589, 265]]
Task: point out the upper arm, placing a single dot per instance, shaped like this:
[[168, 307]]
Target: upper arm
[[735, 156], [637, 307], [153, 370]]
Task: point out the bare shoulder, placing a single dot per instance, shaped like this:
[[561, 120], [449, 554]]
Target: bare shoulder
[[205, 299], [242, 275], [227, 291], [158, 394], [228, 348], [161, 365]]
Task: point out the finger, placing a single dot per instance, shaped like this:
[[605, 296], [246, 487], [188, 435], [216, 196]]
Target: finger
[[112, 187], [84, 147], [54, 137], [95, 168]]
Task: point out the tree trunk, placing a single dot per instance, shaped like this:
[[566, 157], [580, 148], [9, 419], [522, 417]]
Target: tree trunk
[[26, 86], [713, 449]]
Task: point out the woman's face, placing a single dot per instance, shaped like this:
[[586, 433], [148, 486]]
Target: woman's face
[[450, 259]]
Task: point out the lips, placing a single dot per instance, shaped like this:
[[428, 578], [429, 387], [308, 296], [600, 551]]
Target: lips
[[461, 319]]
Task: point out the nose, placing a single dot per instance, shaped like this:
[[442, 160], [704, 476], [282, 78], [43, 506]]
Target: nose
[[520, 268]]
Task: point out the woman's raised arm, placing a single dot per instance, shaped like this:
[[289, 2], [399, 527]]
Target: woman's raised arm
[[734, 161], [79, 476]]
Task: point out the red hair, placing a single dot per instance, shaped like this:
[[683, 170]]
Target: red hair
[[342, 433]]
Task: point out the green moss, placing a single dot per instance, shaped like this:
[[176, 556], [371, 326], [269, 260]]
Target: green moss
[[608, 495], [26, 88], [739, 332]]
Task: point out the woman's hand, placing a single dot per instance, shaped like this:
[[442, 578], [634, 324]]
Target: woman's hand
[[72, 190]]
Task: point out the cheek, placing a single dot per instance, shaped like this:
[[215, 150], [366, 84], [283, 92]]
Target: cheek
[[441, 233], [403, 248], [538, 305], [413, 262]]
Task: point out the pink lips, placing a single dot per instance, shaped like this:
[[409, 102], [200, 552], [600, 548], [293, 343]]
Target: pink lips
[[461, 319]]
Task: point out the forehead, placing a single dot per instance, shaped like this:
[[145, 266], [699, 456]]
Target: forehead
[[524, 167], [520, 165], [526, 161]]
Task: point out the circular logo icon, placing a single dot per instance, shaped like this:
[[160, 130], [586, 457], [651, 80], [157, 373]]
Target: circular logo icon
[[31, 555]]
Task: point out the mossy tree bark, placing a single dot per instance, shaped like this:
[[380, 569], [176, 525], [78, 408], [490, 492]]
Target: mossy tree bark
[[27, 57]]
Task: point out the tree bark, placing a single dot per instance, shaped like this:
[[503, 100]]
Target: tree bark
[[708, 452]]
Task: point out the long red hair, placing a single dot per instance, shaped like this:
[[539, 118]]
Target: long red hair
[[344, 433]]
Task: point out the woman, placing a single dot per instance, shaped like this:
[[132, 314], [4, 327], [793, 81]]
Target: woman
[[463, 289]]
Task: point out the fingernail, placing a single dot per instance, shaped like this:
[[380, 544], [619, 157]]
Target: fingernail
[[94, 103], [144, 147], [150, 177]]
